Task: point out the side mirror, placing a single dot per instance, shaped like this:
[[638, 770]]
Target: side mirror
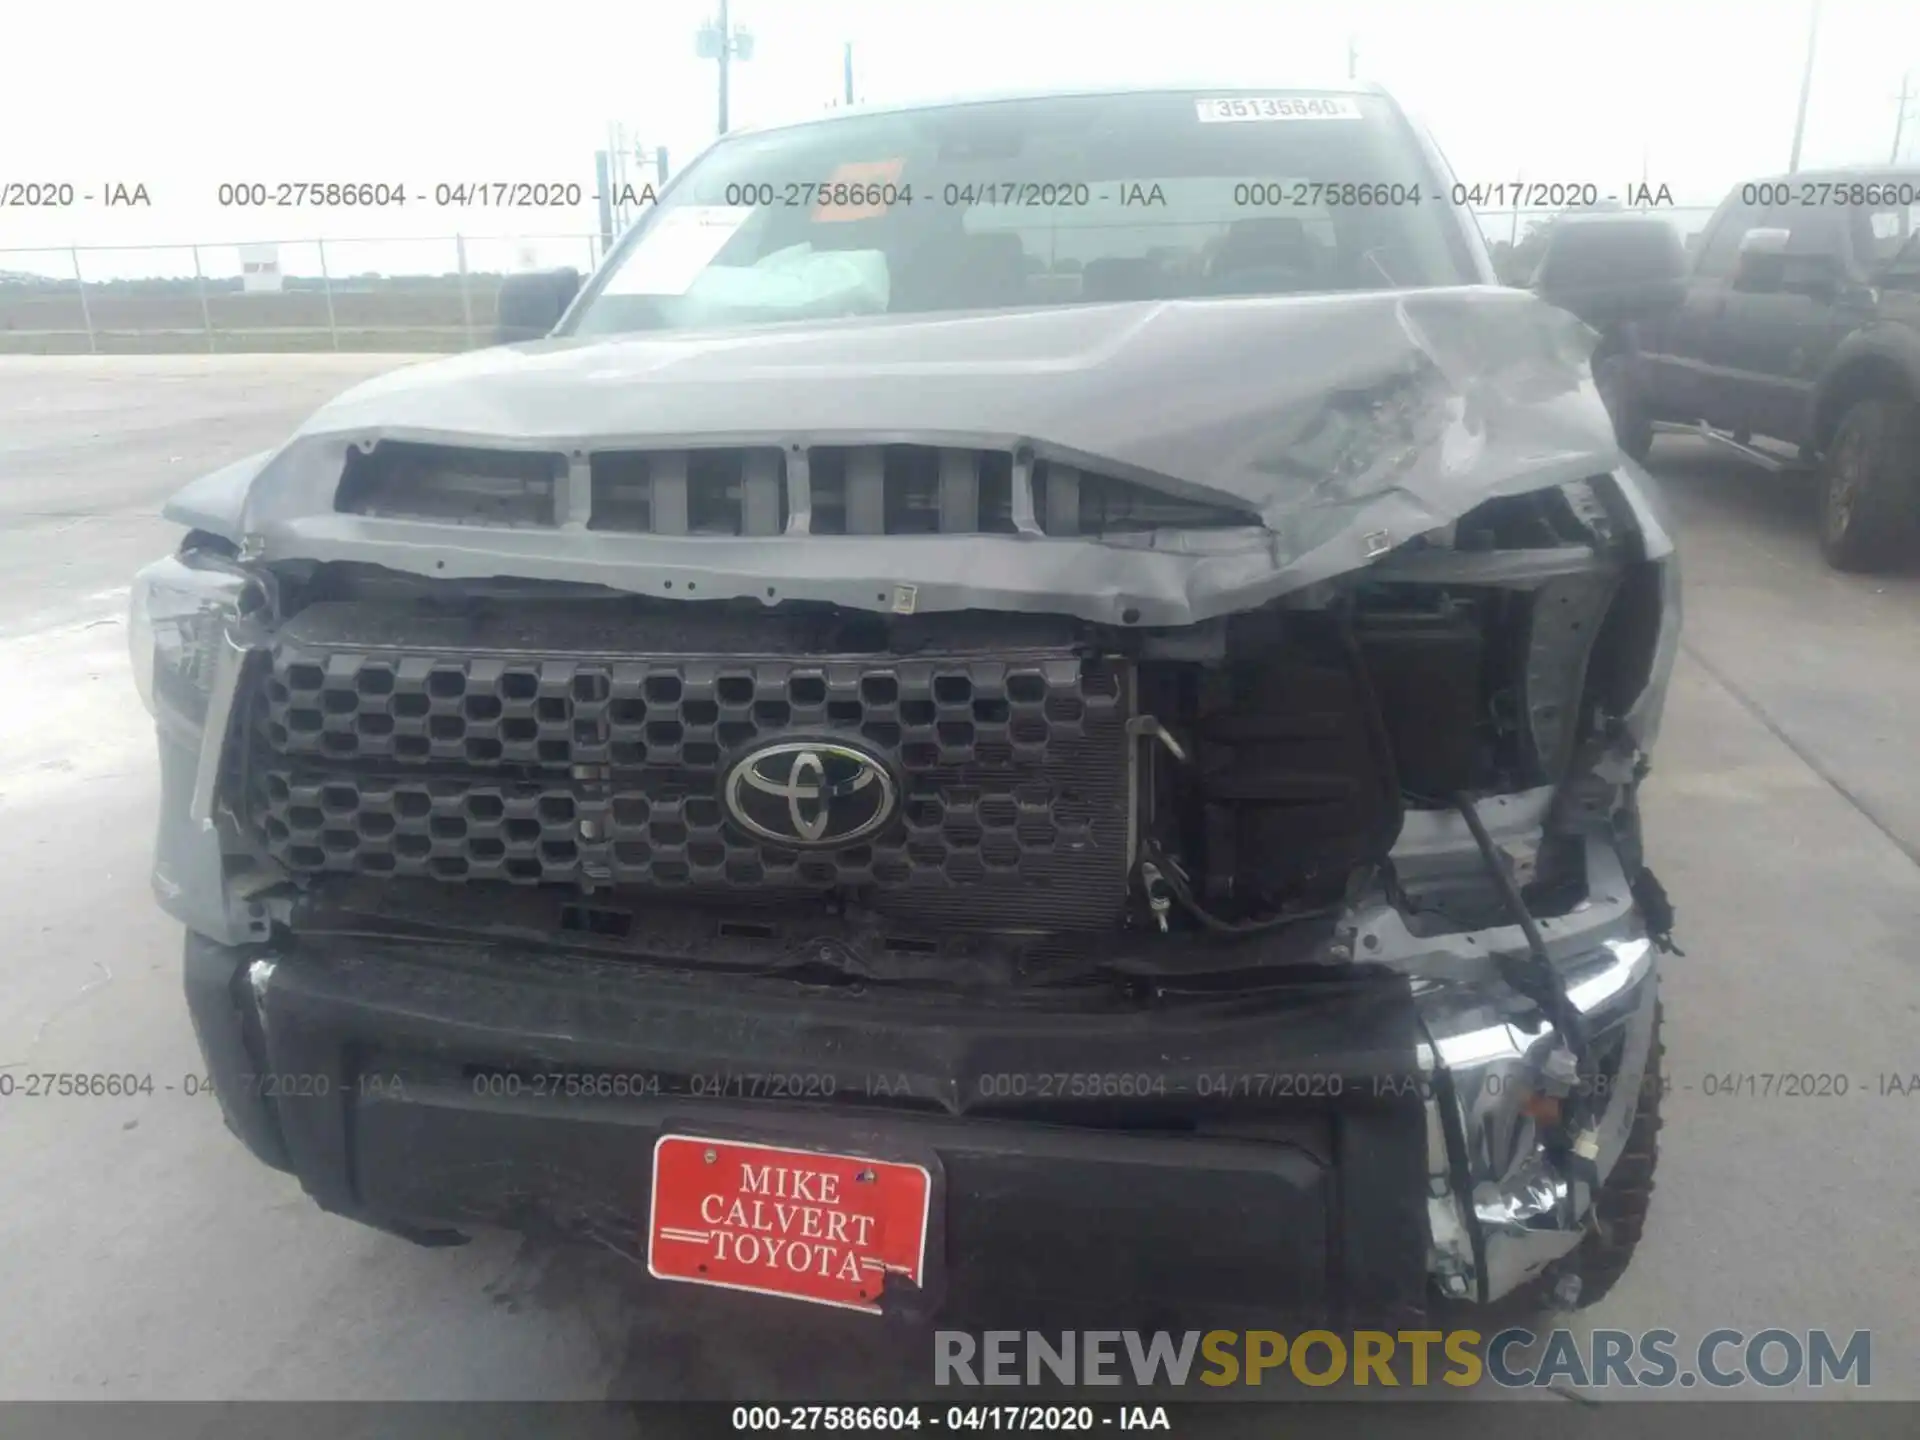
[[1767, 266], [1609, 269], [530, 305], [1761, 263], [1763, 240]]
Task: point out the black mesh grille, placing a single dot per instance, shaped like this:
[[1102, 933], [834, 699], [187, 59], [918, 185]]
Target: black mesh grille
[[557, 768]]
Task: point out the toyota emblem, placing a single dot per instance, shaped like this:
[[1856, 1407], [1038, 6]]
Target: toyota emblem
[[809, 792]]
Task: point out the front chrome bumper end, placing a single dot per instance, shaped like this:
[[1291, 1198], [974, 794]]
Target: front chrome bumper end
[[1500, 1208]]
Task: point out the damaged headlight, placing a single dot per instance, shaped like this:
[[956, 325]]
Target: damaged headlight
[[177, 620]]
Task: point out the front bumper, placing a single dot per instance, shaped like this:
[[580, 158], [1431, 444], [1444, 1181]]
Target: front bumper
[[1336, 1150]]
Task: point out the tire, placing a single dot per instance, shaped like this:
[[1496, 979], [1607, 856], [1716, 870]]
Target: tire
[[1870, 486], [1632, 425], [1620, 1209]]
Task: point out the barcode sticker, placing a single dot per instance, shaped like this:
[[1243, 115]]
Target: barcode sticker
[[1279, 107]]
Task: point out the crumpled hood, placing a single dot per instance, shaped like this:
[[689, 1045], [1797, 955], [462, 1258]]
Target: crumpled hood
[[1350, 423]]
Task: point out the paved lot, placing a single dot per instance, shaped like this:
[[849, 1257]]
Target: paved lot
[[143, 1254]]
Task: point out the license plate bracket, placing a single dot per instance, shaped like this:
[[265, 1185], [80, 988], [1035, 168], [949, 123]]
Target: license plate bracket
[[825, 1226]]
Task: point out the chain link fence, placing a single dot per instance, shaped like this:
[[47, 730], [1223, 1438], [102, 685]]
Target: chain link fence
[[431, 294], [419, 295]]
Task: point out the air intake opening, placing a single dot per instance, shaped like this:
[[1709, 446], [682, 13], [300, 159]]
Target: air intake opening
[[1070, 502], [403, 480], [723, 490]]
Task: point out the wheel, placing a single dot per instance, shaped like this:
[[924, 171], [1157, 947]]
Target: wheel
[[1870, 482], [1632, 425]]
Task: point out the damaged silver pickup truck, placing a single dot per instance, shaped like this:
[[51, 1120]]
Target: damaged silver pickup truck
[[1029, 701]]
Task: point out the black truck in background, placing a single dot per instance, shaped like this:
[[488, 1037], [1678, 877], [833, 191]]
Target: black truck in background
[[1792, 335]]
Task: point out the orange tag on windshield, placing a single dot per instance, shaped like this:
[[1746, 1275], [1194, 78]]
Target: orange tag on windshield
[[858, 190]]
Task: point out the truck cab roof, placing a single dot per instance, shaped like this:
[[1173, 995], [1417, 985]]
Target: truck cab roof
[[1880, 174]]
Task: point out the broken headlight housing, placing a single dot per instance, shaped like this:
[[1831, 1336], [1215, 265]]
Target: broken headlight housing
[[177, 620]]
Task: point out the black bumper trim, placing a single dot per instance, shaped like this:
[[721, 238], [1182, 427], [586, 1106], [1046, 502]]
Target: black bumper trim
[[228, 1029], [1247, 1200]]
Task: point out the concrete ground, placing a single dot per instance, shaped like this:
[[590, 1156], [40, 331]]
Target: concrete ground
[[143, 1254]]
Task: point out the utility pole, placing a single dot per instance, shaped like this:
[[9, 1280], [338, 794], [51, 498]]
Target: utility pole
[[1900, 116], [720, 41], [1353, 58], [616, 176], [726, 52], [846, 66], [603, 175], [1806, 86]]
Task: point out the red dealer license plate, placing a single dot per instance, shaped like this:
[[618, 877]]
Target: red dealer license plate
[[811, 1226]]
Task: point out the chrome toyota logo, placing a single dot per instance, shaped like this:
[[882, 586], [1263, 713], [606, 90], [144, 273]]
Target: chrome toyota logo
[[810, 792]]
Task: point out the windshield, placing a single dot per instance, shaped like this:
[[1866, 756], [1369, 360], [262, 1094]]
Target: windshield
[[1058, 201]]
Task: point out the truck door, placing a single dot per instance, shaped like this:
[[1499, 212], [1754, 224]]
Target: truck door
[[1786, 312], [1682, 380]]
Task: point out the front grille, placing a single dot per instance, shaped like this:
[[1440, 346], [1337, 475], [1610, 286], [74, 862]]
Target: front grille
[[763, 490], [539, 764]]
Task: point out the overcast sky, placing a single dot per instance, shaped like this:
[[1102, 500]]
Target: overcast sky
[[181, 96]]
